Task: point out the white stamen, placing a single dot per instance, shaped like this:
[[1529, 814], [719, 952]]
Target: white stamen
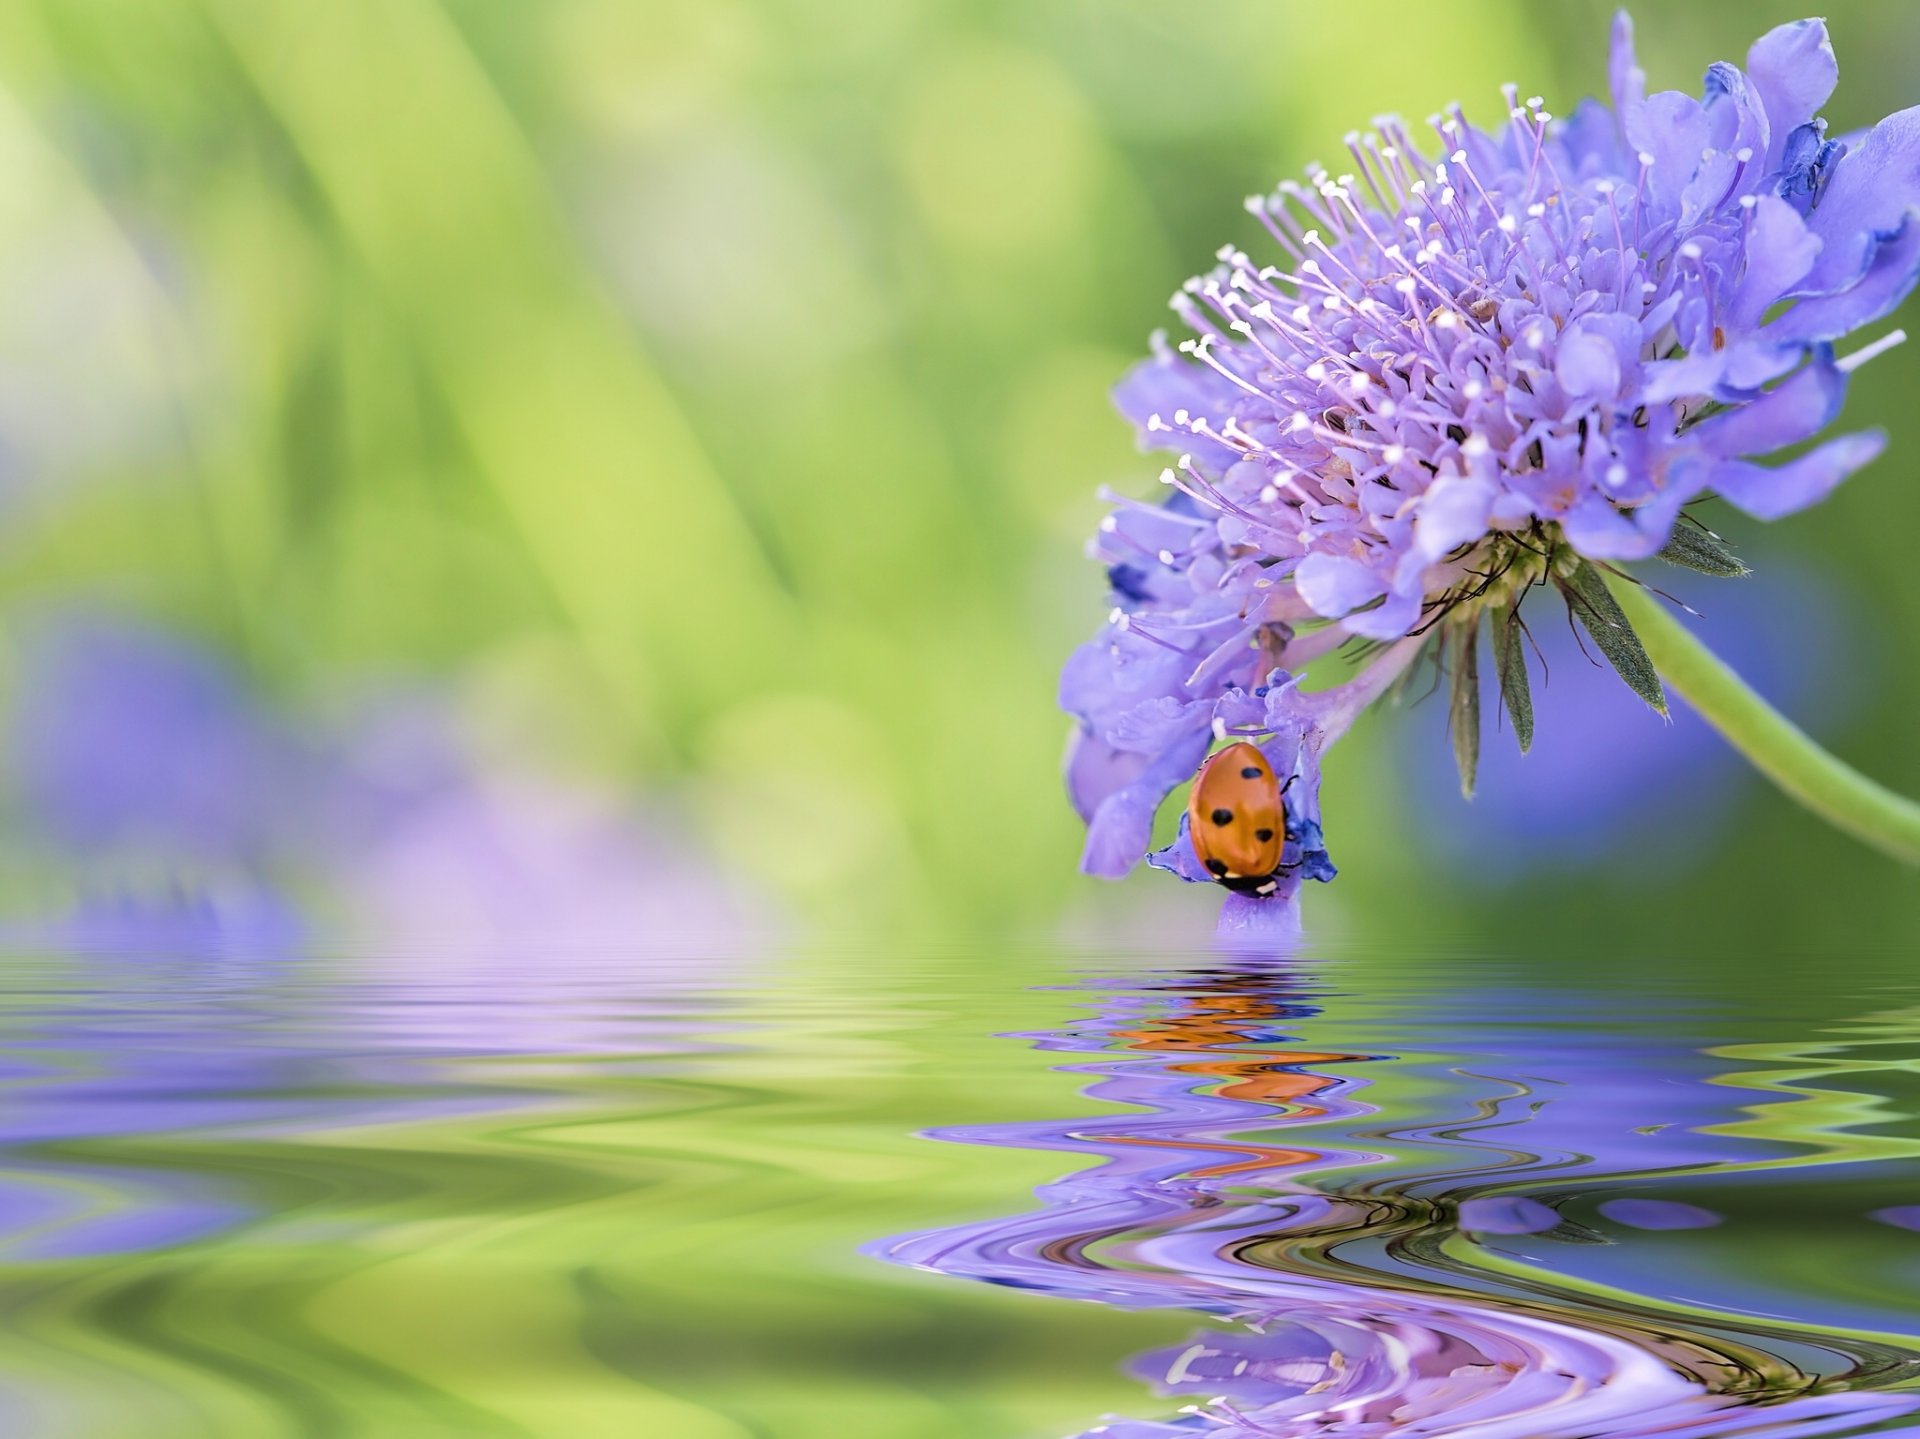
[[1878, 347], [1474, 445]]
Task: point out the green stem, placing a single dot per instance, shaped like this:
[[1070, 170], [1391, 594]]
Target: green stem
[[1777, 747]]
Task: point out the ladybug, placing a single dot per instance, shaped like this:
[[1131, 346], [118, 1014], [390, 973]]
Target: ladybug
[[1237, 820]]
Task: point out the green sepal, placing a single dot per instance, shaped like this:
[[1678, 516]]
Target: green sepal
[[1600, 614], [1693, 548], [1510, 661], [1463, 705]]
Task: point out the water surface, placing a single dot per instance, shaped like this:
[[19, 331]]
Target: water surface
[[592, 1191]]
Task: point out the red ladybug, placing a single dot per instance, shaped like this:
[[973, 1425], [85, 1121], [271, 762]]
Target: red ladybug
[[1238, 821]]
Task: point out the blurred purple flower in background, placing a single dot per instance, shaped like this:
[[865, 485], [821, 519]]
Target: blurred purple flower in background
[[197, 815], [1603, 774], [125, 737], [1476, 368]]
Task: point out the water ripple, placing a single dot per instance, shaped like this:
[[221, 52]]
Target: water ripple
[[1424, 1234]]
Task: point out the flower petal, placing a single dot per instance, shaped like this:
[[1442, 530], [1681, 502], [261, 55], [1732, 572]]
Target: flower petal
[[1768, 494], [1335, 584], [1779, 252], [1797, 410], [1246, 920], [1867, 201], [1625, 78], [1167, 383], [1095, 769], [1892, 269], [1122, 823], [1793, 68], [1179, 857]]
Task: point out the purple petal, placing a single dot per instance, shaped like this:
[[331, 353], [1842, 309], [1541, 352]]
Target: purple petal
[[1889, 279], [1246, 920], [1798, 410], [1625, 78], [1900, 1216], [1793, 68], [1735, 109], [1167, 383], [1594, 355], [1592, 138], [1453, 511], [1335, 584], [1122, 824], [1672, 127], [1872, 190], [1507, 1214], [1095, 769], [1151, 726], [1780, 250], [1768, 494], [1179, 858], [1658, 1214]]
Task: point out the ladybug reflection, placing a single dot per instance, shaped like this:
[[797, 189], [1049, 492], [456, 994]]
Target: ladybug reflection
[[1237, 820]]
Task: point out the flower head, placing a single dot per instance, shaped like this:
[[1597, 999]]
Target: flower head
[[1482, 362]]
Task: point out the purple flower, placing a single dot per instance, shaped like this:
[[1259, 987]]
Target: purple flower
[[1480, 363], [127, 738], [146, 754]]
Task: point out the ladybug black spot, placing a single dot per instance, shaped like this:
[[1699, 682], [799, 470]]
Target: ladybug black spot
[[1223, 816], [1263, 835], [1252, 771], [1216, 866]]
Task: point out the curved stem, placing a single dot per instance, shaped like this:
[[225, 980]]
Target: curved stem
[[1777, 747]]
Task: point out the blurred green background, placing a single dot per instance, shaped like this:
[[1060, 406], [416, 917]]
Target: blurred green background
[[712, 396]]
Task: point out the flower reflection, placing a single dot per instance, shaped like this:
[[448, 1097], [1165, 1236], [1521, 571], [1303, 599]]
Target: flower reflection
[[1398, 1242]]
